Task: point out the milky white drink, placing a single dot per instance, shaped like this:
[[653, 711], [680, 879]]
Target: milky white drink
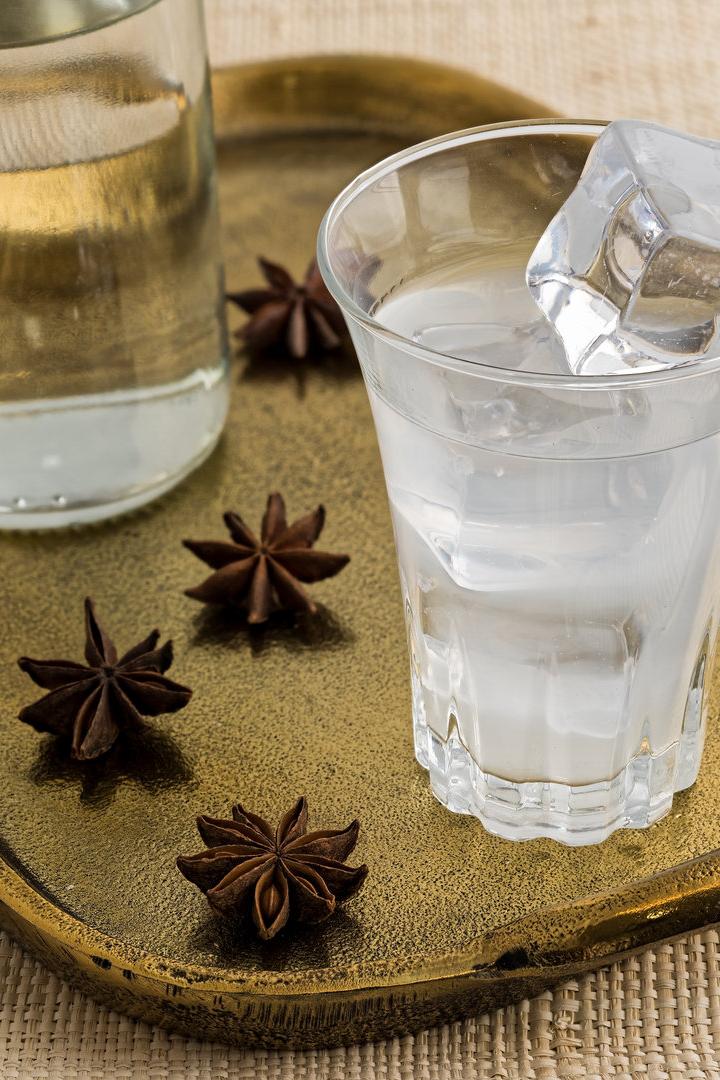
[[555, 606], [556, 529]]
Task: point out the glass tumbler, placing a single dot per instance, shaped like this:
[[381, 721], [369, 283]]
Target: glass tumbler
[[113, 358], [556, 535]]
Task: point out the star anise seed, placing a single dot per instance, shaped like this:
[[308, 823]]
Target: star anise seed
[[295, 316], [249, 867], [266, 574], [93, 704]]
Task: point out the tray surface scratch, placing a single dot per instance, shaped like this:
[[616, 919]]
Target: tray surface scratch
[[451, 919]]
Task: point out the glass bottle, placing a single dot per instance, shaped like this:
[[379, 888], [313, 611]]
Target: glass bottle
[[113, 380]]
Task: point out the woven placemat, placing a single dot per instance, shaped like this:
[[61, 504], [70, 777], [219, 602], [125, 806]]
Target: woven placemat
[[655, 1016]]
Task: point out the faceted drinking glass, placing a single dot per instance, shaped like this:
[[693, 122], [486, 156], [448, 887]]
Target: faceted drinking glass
[[113, 366], [556, 535]]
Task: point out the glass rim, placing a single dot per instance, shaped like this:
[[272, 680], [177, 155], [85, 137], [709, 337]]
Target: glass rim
[[42, 22], [428, 148]]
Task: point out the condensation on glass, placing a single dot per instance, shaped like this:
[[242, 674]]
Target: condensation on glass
[[556, 535], [113, 357]]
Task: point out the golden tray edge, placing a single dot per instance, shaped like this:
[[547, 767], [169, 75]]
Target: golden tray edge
[[527, 958]]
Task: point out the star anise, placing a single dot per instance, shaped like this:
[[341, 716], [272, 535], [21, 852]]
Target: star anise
[[274, 873], [93, 704], [295, 316], [266, 574]]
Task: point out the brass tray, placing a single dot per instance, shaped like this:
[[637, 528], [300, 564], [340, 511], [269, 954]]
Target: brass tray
[[451, 920]]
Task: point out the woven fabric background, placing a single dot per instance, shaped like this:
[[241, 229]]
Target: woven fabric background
[[655, 1016]]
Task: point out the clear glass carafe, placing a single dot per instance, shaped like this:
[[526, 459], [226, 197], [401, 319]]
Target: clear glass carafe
[[113, 357]]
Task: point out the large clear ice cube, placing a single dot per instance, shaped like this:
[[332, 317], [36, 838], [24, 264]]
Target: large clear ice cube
[[628, 271]]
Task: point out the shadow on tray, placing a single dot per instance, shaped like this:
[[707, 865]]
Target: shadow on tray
[[275, 366], [238, 942], [295, 633], [148, 756]]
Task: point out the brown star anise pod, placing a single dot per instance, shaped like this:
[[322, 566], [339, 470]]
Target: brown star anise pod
[[292, 315], [265, 574], [94, 703], [249, 866]]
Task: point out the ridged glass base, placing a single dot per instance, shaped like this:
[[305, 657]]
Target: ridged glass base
[[587, 814]]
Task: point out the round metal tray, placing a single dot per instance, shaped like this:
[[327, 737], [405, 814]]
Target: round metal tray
[[451, 920]]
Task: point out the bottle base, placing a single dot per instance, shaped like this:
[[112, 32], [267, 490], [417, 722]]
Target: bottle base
[[635, 798], [76, 461], [59, 516]]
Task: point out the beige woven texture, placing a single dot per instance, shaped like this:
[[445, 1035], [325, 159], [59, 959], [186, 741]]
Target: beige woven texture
[[655, 1016]]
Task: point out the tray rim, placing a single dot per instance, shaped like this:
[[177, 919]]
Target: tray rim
[[626, 918], [256, 75]]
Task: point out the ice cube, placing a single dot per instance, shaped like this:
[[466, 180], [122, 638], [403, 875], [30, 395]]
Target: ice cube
[[628, 270]]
